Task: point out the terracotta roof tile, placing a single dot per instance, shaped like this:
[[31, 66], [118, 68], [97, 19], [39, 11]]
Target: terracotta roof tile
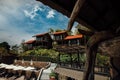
[[30, 42], [73, 37], [38, 35], [61, 32]]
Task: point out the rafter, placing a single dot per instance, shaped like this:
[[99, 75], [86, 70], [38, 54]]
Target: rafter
[[74, 13]]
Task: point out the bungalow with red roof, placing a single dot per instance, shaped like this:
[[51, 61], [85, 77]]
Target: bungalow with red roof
[[62, 38], [30, 44], [74, 40], [43, 40], [58, 37], [71, 49]]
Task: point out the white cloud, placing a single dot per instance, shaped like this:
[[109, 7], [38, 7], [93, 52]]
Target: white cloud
[[13, 35], [33, 12], [14, 26], [10, 11], [11, 8], [51, 14], [37, 8], [30, 14], [12, 16]]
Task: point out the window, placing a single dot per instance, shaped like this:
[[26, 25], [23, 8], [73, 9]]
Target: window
[[38, 39], [74, 41], [78, 42], [57, 37]]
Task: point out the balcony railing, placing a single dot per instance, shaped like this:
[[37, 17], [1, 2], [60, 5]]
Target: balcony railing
[[73, 65]]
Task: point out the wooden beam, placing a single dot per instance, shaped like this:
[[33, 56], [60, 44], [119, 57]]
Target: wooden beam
[[89, 33], [59, 8], [55, 6], [74, 13], [91, 51]]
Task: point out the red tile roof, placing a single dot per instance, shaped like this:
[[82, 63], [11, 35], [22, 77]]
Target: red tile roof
[[38, 35], [30, 42], [61, 32], [74, 37]]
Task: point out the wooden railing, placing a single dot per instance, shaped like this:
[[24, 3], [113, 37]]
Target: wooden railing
[[36, 58], [101, 70], [74, 65]]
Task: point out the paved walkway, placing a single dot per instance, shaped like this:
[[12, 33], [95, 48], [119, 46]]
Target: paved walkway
[[46, 72], [78, 75]]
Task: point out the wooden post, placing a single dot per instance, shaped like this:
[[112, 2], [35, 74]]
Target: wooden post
[[91, 51], [112, 48], [59, 59], [71, 59], [78, 60], [74, 13]]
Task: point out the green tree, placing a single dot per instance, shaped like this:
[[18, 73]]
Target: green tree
[[41, 52], [51, 30], [23, 45], [15, 49], [58, 30], [3, 51], [6, 46], [102, 60]]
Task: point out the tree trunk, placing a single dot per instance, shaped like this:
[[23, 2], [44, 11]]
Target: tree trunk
[[115, 68], [111, 48], [91, 51], [90, 63]]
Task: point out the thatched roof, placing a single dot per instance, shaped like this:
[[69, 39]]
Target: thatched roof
[[96, 14]]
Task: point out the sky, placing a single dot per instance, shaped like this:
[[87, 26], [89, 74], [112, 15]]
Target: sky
[[21, 19]]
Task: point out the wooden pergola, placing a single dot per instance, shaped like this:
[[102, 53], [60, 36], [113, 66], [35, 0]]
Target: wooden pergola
[[103, 18], [70, 50]]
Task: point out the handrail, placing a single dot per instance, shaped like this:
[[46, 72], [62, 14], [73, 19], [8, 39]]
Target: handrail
[[40, 74]]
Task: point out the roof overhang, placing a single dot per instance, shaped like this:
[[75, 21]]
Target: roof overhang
[[97, 15]]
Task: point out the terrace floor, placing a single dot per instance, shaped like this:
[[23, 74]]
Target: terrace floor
[[78, 75]]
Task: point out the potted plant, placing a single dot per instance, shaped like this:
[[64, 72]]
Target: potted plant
[[53, 75]]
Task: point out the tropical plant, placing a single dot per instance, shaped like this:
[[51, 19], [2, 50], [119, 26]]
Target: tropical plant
[[41, 52], [51, 30], [102, 60], [53, 75]]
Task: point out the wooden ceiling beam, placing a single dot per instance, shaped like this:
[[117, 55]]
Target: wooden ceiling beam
[[55, 6], [75, 13], [89, 33], [60, 9]]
